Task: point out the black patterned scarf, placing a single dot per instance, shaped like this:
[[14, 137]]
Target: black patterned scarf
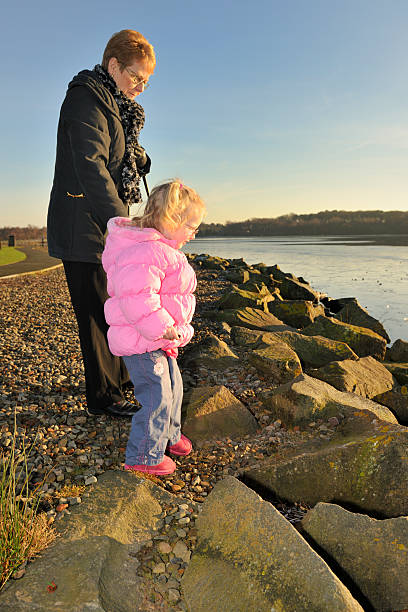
[[133, 118]]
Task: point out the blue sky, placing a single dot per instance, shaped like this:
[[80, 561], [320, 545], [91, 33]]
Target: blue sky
[[266, 108]]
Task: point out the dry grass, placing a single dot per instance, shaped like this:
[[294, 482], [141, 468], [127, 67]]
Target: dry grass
[[23, 532], [71, 490], [42, 535]]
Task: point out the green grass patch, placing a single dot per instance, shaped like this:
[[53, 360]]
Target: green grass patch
[[10, 255]]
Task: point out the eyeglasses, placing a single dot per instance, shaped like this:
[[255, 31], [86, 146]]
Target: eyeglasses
[[193, 230], [136, 79]]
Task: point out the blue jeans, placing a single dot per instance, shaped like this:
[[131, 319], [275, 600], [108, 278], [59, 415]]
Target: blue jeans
[[159, 390]]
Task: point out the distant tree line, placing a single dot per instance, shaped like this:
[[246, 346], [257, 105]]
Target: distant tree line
[[326, 223], [31, 232]]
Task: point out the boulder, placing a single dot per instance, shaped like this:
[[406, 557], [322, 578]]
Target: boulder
[[354, 313], [242, 336], [210, 352], [94, 564], [240, 298], [213, 412], [210, 262], [249, 557], [292, 289], [238, 262], [237, 275], [399, 371], [364, 466], [279, 274], [397, 401], [367, 376], [258, 276], [298, 313], [398, 352], [313, 351], [316, 351], [276, 361], [335, 305], [251, 318], [259, 285], [306, 399], [363, 341], [372, 552]]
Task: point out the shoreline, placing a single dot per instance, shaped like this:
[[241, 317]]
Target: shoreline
[[343, 239]]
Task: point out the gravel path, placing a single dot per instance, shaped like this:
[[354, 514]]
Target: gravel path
[[42, 387]]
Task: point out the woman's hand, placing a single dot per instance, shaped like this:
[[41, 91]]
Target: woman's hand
[[171, 334]]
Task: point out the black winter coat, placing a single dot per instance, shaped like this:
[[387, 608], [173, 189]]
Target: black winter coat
[[90, 149]]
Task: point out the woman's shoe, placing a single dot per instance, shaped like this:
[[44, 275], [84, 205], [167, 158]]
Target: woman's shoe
[[118, 409], [167, 466], [182, 448]]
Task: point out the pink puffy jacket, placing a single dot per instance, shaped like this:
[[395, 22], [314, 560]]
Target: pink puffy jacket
[[150, 284]]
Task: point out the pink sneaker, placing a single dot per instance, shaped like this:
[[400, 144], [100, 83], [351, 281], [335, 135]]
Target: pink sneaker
[[167, 466], [182, 448]]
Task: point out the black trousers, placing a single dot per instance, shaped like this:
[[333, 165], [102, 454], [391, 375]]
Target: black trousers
[[105, 374]]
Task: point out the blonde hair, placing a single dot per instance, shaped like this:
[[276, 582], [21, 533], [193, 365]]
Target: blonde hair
[[169, 205], [127, 46]]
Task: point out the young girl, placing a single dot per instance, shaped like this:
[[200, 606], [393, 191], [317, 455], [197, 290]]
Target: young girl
[[151, 304]]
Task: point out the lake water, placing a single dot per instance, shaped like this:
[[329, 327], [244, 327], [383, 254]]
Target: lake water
[[376, 274]]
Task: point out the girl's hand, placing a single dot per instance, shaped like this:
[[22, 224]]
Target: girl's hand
[[171, 334]]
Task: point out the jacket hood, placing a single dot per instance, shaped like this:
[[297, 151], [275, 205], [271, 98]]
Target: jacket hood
[[89, 79], [122, 229]]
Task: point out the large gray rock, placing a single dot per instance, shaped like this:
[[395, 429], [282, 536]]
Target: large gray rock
[[275, 361], [313, 351], [252, 318], [363, 341], [373, 553], [316, 351], [352, 312], [213, 412], [306, 399], [249, 557], [298, 313], [237, 275], [211, 262], [260, 285], [242, 336], [367, 376], [238, 297], [91, 564], [292, 289], [279, 274], [399, 371], [210, 352], [365, 466], [397, 401], [399, 351]]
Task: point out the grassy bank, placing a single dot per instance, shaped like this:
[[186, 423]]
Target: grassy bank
[[9, 255]]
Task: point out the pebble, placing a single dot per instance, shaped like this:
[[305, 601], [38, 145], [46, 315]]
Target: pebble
[[74, 500], [164, 547], [90, 480]]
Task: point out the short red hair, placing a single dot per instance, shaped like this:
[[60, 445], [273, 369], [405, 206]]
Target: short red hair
[[128, 46]]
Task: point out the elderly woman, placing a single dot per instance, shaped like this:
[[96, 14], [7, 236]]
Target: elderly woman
[[98, 167]]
